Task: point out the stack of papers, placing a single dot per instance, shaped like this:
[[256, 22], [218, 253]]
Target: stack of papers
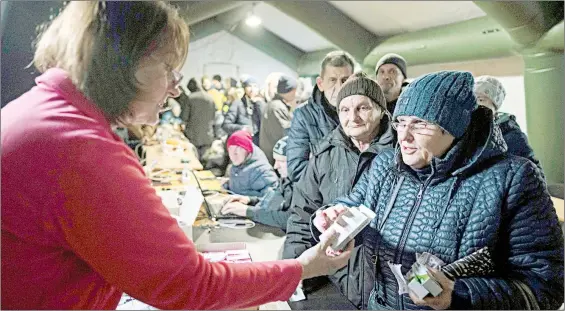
[[231, 256]]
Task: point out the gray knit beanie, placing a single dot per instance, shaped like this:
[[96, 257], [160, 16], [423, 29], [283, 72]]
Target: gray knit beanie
[[394, 59], [362, 86], [445, 98], [492, 88]]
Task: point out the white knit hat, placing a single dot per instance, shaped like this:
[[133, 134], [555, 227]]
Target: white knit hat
[[492, 88]]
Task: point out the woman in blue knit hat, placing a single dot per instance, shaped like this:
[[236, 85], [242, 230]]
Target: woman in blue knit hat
[[450, 189]]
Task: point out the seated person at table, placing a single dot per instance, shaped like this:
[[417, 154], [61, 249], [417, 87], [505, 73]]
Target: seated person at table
[[273, 208], [250, 173]]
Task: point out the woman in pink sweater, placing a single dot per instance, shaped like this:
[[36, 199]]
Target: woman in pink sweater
[[80, 221]]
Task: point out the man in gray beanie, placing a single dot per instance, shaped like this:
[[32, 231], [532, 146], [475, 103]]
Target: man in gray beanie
[[337, 163], [276, 117], [391, 76], [450, 189], [491, 93]]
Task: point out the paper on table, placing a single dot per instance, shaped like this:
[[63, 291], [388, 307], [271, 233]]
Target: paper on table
[[191, 203], [169, 199]]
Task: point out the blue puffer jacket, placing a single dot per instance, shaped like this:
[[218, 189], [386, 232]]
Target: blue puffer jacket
[[310, 123], [477, 195], [253, 177], [515, 139]]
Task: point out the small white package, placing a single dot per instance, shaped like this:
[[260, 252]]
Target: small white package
[[349, 224]]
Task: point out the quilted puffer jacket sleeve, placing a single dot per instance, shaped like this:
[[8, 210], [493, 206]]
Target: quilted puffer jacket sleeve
[[531, 247], [298, 147], [262, 179], [355, 198]]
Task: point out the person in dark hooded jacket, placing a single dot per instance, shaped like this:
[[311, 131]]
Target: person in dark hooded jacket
[[316, 118], [245, 113], [198, 113], [273, 209], [451, 189], [337, 163], [491, 93]]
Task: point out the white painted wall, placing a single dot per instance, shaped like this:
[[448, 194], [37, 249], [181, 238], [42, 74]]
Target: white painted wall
[[230, 53], [515, 101]]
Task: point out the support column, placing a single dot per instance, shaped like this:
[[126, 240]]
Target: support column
[[543, 84]]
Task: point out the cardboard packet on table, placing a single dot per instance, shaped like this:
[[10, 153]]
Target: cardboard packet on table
[[349, 224]]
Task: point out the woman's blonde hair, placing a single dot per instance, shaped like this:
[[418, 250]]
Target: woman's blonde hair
[[100, 45]]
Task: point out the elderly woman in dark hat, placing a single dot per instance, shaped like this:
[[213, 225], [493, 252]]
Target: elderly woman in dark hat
[[336, 164]]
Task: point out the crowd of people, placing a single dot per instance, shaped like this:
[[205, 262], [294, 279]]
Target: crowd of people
[[444, 171]]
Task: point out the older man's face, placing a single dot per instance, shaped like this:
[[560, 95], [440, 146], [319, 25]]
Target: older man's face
[[390, 78], [359, 117], [331, 81], [421, 141]]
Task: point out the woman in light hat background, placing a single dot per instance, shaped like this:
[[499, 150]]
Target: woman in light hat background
[[450, 189], [491, 93]]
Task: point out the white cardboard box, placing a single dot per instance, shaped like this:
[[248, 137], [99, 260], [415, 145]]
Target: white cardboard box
[[350, 224], [430, 286]]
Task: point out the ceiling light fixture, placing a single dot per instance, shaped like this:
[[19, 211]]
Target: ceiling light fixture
[[253, 20]]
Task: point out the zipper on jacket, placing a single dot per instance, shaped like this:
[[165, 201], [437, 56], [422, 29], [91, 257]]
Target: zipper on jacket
[[404, 236]]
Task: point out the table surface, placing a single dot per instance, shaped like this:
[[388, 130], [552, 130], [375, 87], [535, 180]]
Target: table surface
[[172, 159]]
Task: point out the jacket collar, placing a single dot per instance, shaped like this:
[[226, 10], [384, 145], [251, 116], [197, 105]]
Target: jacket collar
[[59, 81]]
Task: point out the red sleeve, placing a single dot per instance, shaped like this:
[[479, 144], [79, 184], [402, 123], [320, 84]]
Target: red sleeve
[[114, 220]]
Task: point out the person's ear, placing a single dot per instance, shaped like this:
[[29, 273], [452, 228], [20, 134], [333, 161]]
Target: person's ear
[[319, 83]]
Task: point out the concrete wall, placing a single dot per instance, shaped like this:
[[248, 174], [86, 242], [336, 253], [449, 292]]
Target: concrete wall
[[227, 55]]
